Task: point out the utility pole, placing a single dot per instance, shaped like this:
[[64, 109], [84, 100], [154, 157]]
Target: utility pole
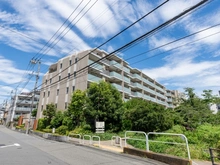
[[33, 96]]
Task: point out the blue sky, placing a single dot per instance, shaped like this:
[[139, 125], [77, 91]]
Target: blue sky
[[27, 25]]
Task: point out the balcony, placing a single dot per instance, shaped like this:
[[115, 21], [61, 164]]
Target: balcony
[[160, 89], [23, 109], [149, 83], [115, 64], [136, 85], [135, 75], [160, 95], [116, 75], [149, 90], [26, 102], [127, 70], [136, 94], [96, 66], [117, 86], [169, 100], [127, 90], [93, 78], [127, 80]]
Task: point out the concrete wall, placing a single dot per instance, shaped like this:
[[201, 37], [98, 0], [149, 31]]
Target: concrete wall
[[171, 160]]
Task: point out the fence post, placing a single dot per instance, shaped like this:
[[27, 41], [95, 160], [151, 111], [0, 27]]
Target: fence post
[[211, 156]]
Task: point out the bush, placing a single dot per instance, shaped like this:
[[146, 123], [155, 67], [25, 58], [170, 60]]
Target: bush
[[42, 124], [62, 130], [47, 130]]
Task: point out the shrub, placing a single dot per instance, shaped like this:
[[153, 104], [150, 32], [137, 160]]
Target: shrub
[[47, 130], [62, 130], [42, 123]]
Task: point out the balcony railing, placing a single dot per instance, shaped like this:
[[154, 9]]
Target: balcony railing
[[93, 78], [135, 75], [127, 90], [137, 94], [115, 74], [126, 79], [119, 87], [127, 70], [149, 90], [116, 64], [96, 66], [136, 85], [22, 109]]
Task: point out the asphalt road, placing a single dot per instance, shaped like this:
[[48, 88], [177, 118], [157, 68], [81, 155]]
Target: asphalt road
[[21, 149]]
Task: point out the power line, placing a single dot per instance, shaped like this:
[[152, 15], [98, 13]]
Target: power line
[[156, 49], [111, 39]]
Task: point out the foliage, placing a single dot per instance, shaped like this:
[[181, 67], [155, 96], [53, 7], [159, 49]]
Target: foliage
[[57, 120], [193, 111], [34, 113], [105, 104], [76, 108], [42, 123], [49, 112], [62, 130], [141, 115], [47, 130]]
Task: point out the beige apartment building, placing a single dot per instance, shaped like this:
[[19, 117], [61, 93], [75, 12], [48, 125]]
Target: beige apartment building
[[68, 74]]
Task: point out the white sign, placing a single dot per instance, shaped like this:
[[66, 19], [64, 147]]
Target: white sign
[[100, 124]]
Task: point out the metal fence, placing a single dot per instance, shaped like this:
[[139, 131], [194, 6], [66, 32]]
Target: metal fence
[[214, 154]]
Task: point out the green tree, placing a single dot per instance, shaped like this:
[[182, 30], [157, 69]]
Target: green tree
[[34, 113], [141, 115], [105, 104], [49, 112], [75, 109], [57, 120], [208, 97]]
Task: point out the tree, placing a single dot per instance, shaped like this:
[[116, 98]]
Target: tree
[[105, 104], [49, 112], [208, 97], [76, 108], [194, 111], [141, 115], [34, 113], [57, 120]]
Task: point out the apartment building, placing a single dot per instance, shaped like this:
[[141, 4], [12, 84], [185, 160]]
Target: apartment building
[[21, 104], [68, 74]]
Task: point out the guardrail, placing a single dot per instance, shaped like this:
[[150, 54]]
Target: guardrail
[[171, 134], [90, 139], [212, 156], [114, 139], [78, 135], [140, 132], [98, 139]]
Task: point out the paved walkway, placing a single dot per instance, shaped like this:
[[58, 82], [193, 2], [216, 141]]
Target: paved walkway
[[107, 145]]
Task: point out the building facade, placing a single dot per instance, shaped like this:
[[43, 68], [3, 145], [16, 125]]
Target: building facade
[[68, 74], [21, 105]]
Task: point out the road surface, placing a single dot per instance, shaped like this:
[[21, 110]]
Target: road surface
[[20, 149]]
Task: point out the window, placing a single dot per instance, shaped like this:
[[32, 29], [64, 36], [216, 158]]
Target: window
[[73, 88], [65, 105], [67, 89], [59, 78], [68, 75], [56, 105], [44, 94], [50, 80], [61, 65], [46, 82], [48, 93], [70, 62], [58, 91], [42, 107], [76, 60], [74, 74]]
